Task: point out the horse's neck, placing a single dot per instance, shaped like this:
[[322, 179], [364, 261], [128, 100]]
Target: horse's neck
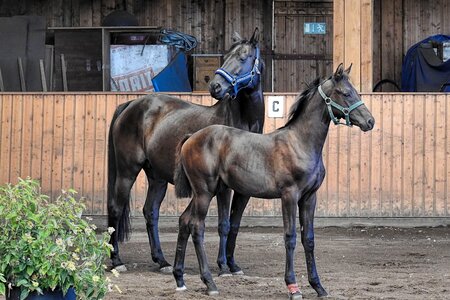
[[312, 124], [245, 112]]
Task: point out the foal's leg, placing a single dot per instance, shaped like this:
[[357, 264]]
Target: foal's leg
[[199, 210], [155, 195], [180, 254], [223, 206], [289, 209], [237, 210], [306, 215]]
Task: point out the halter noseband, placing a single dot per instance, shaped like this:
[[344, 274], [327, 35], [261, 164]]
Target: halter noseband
[[244, 80], [345, 110]]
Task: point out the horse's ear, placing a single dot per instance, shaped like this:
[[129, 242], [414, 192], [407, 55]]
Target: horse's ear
[[349, 69], [339, 71], [236, 37], [255, 37]]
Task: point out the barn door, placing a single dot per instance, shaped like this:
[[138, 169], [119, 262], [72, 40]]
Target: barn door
[[303, 44]]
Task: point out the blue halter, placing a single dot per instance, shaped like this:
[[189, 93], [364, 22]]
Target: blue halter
[[242, 81]]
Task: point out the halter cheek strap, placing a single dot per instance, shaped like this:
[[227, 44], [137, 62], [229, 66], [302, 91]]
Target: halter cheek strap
[[345, 110], [244, 80]]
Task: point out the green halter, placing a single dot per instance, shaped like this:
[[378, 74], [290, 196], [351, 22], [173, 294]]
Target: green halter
[[345, 110]]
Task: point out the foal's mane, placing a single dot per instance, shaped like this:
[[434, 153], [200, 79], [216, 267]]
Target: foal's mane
[[304, 96]]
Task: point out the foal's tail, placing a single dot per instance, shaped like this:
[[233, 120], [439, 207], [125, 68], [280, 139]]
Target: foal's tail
[[124, 226], [183, 188]]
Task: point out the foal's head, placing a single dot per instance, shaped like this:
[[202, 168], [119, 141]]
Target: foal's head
[[241, 69], [344, 102]]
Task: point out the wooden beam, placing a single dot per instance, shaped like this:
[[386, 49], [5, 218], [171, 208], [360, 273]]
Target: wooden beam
[[366, 45]]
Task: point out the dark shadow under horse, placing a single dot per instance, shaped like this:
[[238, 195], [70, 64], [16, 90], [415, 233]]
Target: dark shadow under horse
[[286, 164], [145, 132]]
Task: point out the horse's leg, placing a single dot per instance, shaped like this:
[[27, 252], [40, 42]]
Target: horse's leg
[[306, 215], [116, 209], [237, 210], [180, 254], [155, 195], [223, 206], [200, 204], [289, 209]]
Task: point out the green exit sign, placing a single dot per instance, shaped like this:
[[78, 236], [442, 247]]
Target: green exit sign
[[315, 28]]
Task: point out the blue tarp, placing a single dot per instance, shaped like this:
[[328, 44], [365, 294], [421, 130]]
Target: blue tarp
[[174, 77], [422, 70]]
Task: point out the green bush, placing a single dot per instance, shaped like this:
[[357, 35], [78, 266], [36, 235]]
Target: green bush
[[47, 245]]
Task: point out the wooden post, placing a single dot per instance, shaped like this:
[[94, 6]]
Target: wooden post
[[21, 75], [43, 79], [64, 73], [2, 86], [353, 40]]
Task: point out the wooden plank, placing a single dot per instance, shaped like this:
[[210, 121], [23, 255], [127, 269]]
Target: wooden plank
[[5, 135], [79, 137], [365, 165], [352, 40], [27, 136], [68, 142], [16, 141], [440, 157], [429, 155], [375, 199], [36, 152], [419, 152], [408, 155], [366, 45], [58, 145], [387, 169], [47, 145], [338, 32], [354, 175], [343, 161], [23, 86], [89, 152], [447, 156], [397, 155]]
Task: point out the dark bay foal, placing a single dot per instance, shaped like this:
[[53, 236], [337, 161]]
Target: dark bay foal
[[145, 132], [286, 164]]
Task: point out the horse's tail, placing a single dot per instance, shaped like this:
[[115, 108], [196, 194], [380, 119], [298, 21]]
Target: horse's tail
[[124, 226], [183, 188]]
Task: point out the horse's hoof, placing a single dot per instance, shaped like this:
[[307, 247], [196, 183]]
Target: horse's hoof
[[238, 273], [213, 293], [166, 270], [323, 295], [180, 289], [296, 296], [120, 268]]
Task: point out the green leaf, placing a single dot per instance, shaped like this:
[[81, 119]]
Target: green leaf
[[24, 293], [2, 289], [22, 282], [30, 270]]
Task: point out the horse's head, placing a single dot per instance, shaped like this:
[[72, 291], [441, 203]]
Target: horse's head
[[344, 101], [241, 69]]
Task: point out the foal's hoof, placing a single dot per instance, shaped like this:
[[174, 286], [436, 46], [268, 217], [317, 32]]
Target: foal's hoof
[[181, 289], [120, 268], [296, 296], [238, 273], [323, 295], [166, 270], [224, 273]]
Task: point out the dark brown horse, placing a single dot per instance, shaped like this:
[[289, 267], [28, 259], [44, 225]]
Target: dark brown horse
[[286, 164], [145, 132]]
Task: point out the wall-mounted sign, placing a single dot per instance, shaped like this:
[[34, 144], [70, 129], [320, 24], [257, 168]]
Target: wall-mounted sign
[[314, 28], [275, 106]]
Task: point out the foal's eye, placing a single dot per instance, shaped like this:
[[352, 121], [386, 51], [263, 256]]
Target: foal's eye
[[345, 94]]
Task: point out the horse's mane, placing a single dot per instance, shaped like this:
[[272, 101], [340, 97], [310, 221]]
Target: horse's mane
[[298, 106]]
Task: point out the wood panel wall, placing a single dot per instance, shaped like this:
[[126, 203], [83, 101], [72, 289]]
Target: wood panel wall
[[399, 169]]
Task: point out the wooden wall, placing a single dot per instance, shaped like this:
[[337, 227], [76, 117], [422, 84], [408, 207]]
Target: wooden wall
[[399, 24], [399, 169]]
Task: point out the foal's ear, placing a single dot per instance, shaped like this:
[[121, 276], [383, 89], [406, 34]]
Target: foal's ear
[[349, 69], [236, 37], [339, 71], [255, 37]]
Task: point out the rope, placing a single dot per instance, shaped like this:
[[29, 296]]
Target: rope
[[178, 39]]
